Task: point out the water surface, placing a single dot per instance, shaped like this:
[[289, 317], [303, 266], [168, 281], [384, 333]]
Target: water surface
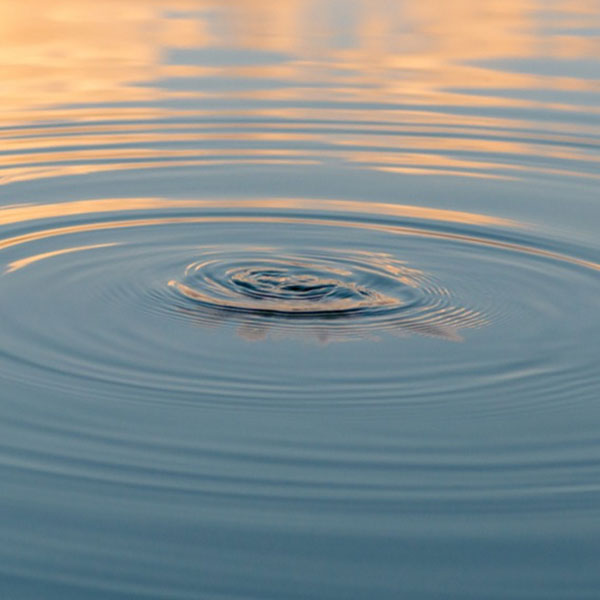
[[300, 299]]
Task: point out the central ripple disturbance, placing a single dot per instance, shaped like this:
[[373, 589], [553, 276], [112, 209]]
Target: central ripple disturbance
[[299, 286], [356, 292]]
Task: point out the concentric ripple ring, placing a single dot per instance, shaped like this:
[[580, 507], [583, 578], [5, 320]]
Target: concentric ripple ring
[[163, 278]]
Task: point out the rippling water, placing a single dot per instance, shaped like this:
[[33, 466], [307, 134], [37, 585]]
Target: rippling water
[[300, 299]]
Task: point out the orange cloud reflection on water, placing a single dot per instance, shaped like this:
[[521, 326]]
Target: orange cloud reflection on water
[[20, 214], [410, 64], [23, 213], [70, 51], [24, 262]]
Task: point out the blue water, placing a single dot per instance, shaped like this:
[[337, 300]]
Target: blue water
[[300, 300]]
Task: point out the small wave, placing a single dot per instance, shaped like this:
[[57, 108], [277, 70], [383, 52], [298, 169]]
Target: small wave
[[163, 275], [352, 292]]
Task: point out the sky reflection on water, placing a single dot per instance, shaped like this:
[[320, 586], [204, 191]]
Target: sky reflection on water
[[467, 89], [398, 201]]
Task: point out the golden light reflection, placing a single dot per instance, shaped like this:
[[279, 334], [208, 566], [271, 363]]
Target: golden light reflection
[[24, 262], [395, 229], [70, 51], [419, 64], [32, 212]]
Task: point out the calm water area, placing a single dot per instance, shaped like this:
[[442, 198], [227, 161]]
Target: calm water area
[[299, 299]]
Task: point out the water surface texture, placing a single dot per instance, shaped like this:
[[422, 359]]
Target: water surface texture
[[300, 300]]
